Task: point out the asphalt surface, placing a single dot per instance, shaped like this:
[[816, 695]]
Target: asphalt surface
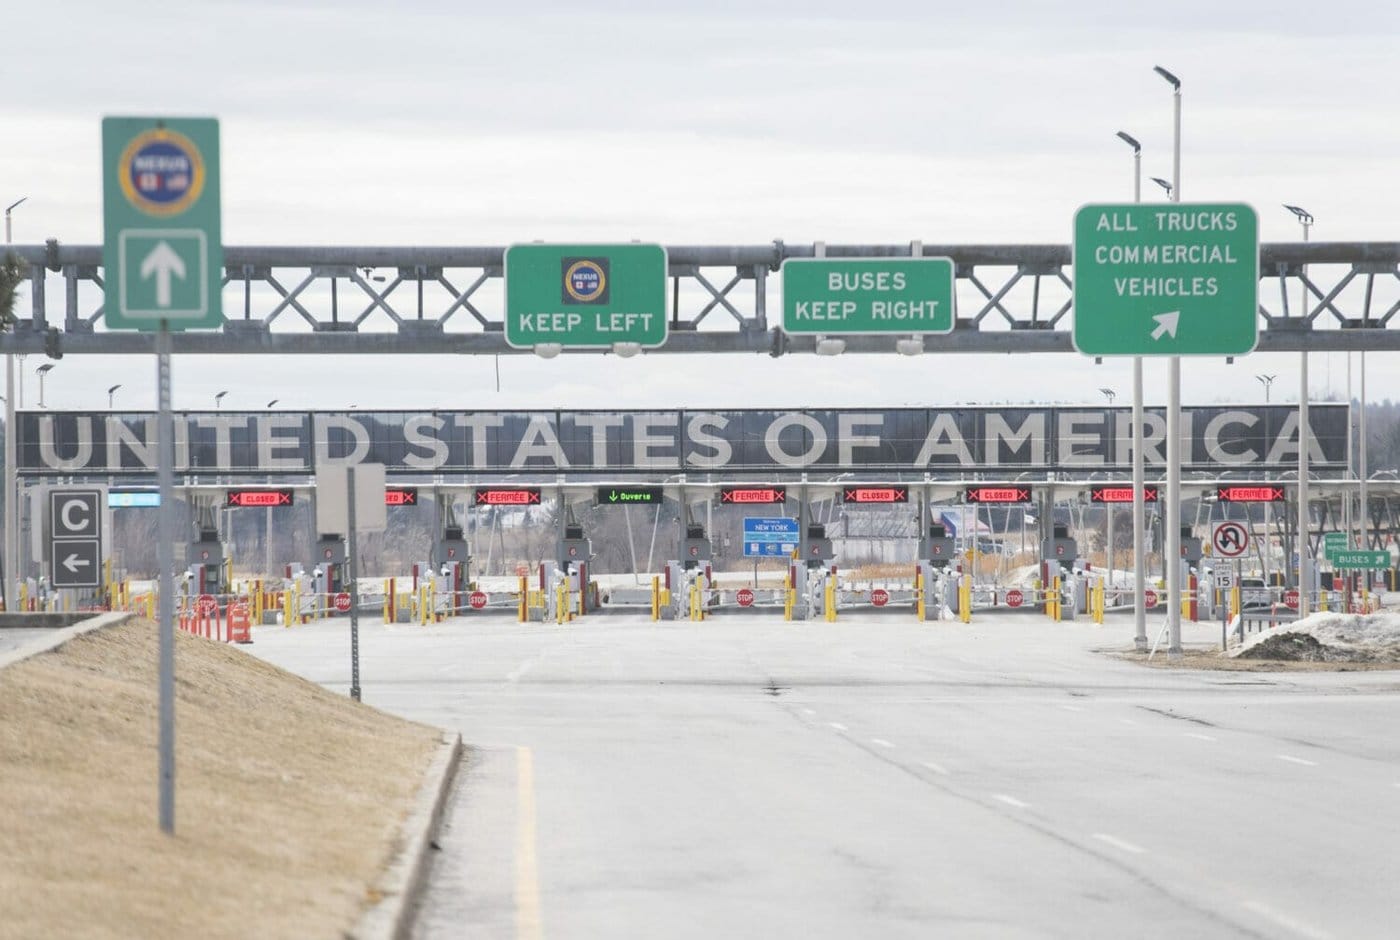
[[882, 778]]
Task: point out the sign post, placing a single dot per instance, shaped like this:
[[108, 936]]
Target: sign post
[[1174, 280], [585, 296], [163, 259]]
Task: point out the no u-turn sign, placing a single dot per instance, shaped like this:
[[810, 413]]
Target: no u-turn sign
[[1230, 539]]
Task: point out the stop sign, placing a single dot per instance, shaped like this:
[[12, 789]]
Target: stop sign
[[1014, 598], [207, 605], [477, 599], [879, 597], [1150, 597], [342, 601], [744, 597], [1290, 597]]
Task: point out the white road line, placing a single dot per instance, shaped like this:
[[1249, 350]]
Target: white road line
[[1283, 920], [1127, 721], [1010, 801], [1119, 843], [838, 726], [1072, 708], [880, 742], [524, 668], [808, 711], [1296, 760], [1199, 737], [944, 772]]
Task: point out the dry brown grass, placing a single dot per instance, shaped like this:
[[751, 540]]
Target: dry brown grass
[[289, 799], [1213, 659]]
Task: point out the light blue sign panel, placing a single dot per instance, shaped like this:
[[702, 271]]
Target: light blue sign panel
[[769, 536]]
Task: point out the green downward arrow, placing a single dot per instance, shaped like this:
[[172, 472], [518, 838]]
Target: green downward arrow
[[613, 497]]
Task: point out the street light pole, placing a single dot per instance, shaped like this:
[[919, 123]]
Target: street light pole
[[1139, 468], [1304, 545], [1266, 381], [110, 393], [219, 399], [42, 371], [1172, 549], [1110, 394], [11, 571]]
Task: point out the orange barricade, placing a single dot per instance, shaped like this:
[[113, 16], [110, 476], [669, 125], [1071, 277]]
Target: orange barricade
[[239, 626]]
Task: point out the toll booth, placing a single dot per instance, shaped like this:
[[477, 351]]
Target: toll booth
[[574, 549], [937, 547], [1057, 556], [935, 577], [328, 568], [206, 560], [450, 557], [695, 547], [816, 548]]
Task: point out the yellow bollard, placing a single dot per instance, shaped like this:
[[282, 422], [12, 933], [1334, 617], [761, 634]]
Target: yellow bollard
[[965, 598], [1055, 597], [524, 599], [655, 597], [829, 601]]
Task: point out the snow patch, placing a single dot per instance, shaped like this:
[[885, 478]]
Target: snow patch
[[1328, 637]]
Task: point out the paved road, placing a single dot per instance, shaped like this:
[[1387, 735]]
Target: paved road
[[878, 778]]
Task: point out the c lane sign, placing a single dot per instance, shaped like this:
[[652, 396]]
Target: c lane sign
[[1166, 280], [75, 538], [1230, 539]]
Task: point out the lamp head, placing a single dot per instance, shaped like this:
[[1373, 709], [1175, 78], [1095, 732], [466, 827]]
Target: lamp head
[[1176, 82], [1131, 141]]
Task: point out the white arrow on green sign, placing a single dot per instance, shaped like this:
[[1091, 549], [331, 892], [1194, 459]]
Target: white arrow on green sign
[[162, 253], [868, 296], [1175, 279]]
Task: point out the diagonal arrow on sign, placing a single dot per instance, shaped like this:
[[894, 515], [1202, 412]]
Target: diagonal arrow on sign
[[1166, 323]]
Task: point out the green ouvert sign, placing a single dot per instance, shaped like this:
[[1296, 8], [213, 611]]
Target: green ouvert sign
[[585, 296], [162, 252], [1173, 279], [865, 296]]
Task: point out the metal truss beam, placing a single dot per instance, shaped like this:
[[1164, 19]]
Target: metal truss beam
[[1319, 296]]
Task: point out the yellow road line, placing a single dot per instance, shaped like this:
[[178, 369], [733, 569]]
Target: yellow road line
[[527, 879]]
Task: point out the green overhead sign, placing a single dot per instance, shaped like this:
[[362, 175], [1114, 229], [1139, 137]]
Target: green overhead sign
[[1333, 542], [880, 296], [1359, 558], [585, 296], [162, 253], [1174, 279]]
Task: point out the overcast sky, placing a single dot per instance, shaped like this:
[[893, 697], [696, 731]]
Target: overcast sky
[[439, 123]]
